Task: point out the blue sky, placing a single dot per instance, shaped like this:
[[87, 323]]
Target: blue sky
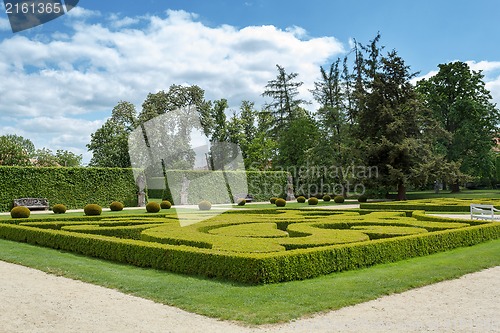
[[62, 79]]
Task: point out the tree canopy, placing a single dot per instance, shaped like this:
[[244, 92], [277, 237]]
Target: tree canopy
[[369, 115]]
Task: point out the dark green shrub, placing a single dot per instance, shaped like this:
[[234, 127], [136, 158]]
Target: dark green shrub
[[59, 209], [116, 206], [363, 198], [20, 212], [339, 199], [313, 201], [205, 205], [273, 200], [327, 198], [165, 204], [92, 209], [301, 199], [241, 202], [59, 184], [153, 207], [280, 202]]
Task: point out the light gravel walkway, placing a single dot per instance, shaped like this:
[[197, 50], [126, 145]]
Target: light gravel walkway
[[33, 301]]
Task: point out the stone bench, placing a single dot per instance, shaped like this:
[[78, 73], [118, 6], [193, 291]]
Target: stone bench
[[32, 203], [247, 197]]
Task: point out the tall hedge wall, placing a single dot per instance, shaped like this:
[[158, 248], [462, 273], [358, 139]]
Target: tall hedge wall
[[261, 184], [74, 187]]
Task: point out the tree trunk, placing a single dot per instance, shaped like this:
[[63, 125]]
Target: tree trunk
[[455, 187], [401, 192]]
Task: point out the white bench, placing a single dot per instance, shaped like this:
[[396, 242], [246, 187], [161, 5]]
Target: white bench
[[483, 212]]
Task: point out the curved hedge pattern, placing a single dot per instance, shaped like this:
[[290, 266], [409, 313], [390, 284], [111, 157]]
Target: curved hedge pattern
[[256, 246], [431, 205]]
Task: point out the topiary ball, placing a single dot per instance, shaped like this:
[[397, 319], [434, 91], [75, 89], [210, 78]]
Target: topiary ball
[[153, 207], [339, 199], [204, 205], [327, 198], [280, 202], [165, 204], [273, 200], [116, 206], [59, 209], [301, 199], [92, 209], [363, 198], [20, 212], [313, 201], [241, 202]]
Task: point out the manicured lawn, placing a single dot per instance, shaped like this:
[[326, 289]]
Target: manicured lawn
[[264, 303]]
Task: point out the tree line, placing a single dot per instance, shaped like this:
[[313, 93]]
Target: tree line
[[371, 116], [16, 150]]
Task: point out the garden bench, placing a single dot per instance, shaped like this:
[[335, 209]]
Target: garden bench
[[247, 197], [32, 203], [483, 212]]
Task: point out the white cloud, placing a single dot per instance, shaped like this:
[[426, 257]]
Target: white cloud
[[81, 73], [4, 24], [485, 66], [82, 13], [118, 22]]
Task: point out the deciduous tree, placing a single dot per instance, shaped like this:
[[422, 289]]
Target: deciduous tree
[[462, 105]]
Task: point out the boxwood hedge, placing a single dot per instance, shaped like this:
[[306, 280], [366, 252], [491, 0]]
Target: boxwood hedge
[[221, 247], [73, 187], [430, 205]]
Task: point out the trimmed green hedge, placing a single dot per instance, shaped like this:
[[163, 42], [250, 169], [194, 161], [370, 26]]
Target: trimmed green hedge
[[253, 268], [431, 205], [73, 187], [210, 185]]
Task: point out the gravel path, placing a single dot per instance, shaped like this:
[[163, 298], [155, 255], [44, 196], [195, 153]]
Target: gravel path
[[33, 301]]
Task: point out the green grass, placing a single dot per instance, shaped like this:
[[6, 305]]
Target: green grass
[[258, 304]]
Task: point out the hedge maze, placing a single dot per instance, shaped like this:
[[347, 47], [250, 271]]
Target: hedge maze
[[255, 246]]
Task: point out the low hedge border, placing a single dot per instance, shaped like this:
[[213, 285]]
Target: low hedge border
[[430, 205], [127, 232], [253, 268]]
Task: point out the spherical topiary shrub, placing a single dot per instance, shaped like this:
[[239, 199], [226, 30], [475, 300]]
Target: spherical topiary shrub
[[339, 199], [92, 209], [153, 207], [20, 212], [327, 198], [204, 205], [273, 200], [280, 202], [312, 201], [363, 198], [241, 202], [59, 209], [165, 204], [301, 199], [116, 206]]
